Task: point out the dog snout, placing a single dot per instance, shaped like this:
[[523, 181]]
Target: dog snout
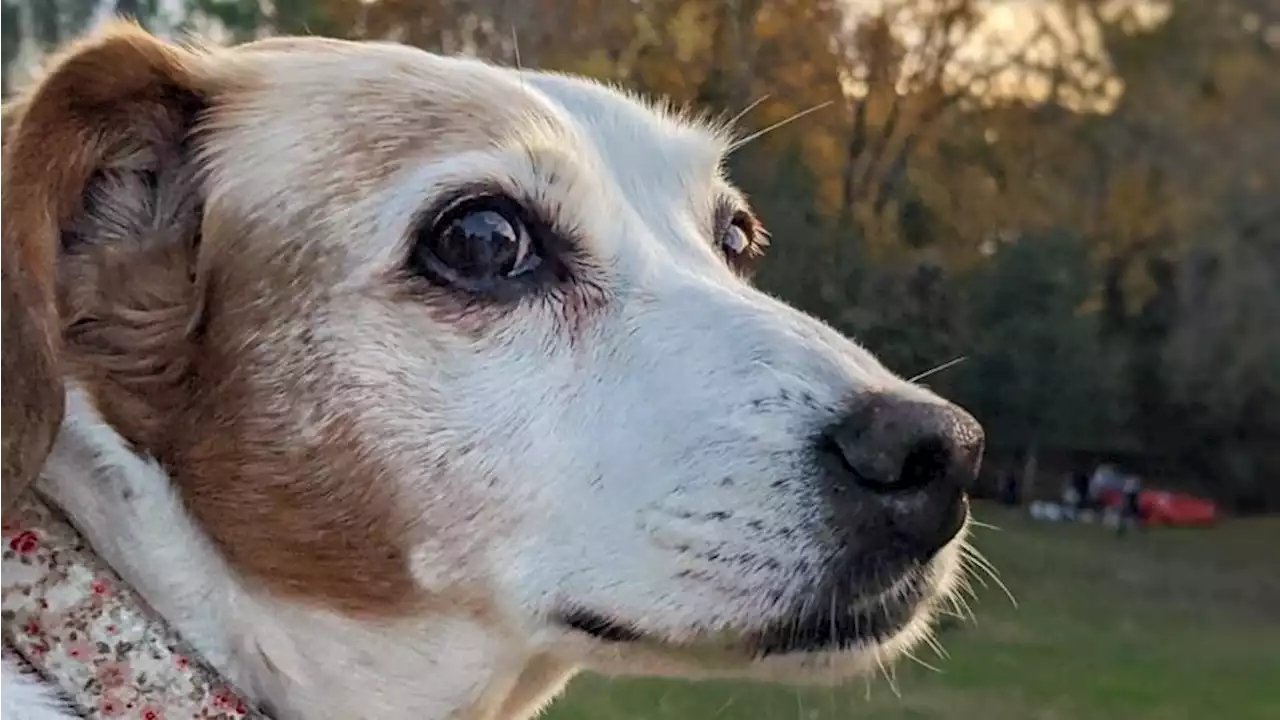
[[915, 458]]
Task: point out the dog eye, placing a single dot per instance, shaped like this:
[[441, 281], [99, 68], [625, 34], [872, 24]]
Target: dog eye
[[477, 244], [742, 240], [736, 238]]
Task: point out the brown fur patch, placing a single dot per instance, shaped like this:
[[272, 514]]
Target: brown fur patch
[[307, 521], [100, 164], [32, 400], [55, 138], [32, 394]]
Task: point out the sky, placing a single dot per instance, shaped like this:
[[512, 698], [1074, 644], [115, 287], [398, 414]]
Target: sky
[[1041, 31]]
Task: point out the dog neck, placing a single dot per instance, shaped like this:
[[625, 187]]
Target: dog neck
[[296, 661]]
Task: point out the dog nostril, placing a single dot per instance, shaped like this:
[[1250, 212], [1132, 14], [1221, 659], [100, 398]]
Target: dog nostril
[[891, 445], [924, 463]]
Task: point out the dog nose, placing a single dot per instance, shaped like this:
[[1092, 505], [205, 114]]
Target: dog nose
[[897, 445], [917, 456]]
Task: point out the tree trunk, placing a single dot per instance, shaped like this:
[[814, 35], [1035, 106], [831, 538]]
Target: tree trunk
[[1030, 467]]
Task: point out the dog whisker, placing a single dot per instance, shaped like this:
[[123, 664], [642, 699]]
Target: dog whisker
[[888, 676], [743, 112], [931, 639], [983, 564], [971, 577], [937, 369], [961, 609], [739, 144], [913, 658]]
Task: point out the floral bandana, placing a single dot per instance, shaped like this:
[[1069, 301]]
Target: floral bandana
[[73, 621]]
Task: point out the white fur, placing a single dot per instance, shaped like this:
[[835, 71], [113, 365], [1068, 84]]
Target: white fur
[[24, 696], [304, 663], [587, 471]]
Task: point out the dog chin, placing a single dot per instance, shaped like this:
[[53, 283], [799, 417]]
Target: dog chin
[[826, 667], [800, 649]]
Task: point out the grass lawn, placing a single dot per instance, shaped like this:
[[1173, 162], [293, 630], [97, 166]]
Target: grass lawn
[[1167, 624]]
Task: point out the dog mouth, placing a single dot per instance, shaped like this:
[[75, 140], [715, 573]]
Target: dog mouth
[[837, 626], [600, 627], [830, 626]]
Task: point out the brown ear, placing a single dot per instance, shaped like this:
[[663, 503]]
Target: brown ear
[[111, 103]]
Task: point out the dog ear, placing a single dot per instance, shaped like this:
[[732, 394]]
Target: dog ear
[[108, 118]]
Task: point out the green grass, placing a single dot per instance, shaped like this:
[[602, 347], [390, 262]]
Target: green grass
[[1169, 624]]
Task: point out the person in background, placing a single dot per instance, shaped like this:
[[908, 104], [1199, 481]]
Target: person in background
[[1083, 494], [1104, 478], [1070, 498], [1010, 493], [1130, 513]]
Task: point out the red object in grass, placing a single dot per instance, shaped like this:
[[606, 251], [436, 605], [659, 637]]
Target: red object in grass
[[1163, 507]]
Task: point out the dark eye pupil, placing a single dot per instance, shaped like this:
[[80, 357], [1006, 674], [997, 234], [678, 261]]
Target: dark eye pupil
[[480, 243]]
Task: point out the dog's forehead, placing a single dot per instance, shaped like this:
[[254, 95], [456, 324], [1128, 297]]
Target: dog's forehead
[[318, 124], [311, 99], [335, 116], [645, 146]]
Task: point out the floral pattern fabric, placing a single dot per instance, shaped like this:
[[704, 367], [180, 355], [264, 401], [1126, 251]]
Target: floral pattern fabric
[[79, 626]]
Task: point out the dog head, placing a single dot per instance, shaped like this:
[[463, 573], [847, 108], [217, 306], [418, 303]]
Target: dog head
[[419, 335]]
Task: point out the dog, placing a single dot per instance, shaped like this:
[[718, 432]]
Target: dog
[[408, 386]]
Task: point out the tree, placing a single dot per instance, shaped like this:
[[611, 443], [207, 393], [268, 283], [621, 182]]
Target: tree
[[11, 35], [1038, 372]]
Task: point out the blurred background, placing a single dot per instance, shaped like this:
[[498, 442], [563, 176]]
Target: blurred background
[[1065, 212]]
